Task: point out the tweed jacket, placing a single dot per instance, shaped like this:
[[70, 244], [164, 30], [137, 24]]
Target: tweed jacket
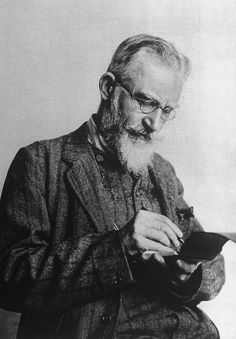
[[61, 261]]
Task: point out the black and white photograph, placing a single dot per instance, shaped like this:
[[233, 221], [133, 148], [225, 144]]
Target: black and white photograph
[[117, 176]]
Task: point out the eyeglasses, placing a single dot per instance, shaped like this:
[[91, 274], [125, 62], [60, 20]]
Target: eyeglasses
[[148, 105]]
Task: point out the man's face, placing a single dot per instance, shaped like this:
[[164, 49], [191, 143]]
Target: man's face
[[136, 132], [150, 79]]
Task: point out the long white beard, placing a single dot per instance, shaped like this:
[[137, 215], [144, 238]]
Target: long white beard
[[134, 152], [137, 154]]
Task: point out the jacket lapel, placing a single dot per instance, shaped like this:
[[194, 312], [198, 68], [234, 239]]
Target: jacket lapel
[[166, 189], [85, 179]]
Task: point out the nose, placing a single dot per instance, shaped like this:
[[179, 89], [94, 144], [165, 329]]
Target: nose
[[153, 121]]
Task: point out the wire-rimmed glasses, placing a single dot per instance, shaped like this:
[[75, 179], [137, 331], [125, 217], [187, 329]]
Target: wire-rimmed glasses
[[148, 106]]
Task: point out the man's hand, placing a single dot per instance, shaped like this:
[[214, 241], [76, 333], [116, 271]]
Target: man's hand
[[153, 239], [183, 271], [152, 232], [177, 272]]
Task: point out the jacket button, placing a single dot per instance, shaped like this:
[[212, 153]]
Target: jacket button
[[140, 192], [145, 206], [175, 319], [99, 157], [106, 317], [116, 281]]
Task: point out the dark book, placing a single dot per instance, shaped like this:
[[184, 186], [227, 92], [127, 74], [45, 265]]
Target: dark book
[[201, 246]]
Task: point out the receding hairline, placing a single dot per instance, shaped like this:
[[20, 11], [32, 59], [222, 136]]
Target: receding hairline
[[142, 55], [133, 46]]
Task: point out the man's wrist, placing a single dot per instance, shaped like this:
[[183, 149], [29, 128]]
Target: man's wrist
[[124, 234]]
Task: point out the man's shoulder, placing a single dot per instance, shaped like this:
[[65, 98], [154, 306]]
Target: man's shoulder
[[49, 153], [56, 145]]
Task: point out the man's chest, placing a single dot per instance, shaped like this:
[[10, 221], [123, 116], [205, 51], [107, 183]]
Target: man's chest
[[127, 194]]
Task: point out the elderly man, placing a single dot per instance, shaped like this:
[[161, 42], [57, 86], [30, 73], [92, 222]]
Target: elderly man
[[90, 222]]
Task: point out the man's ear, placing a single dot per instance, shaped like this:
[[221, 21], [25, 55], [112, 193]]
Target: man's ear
[[106, 85]]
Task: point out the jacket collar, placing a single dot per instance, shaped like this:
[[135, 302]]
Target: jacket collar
[[94, 137], [164, 183], [85, 179]]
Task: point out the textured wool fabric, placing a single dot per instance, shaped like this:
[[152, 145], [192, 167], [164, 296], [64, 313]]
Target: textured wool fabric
[[62, 263]]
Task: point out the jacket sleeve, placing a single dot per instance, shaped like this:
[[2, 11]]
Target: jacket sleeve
[[36, 273], [209, 278]]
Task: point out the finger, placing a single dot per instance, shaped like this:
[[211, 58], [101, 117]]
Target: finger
[[157, 257], [146, 255], [174, 227], [157, 235], [152, 255], [155, 246], [197, 263], [187, 267], [171, 235], [183, 277], [158, 221], [165, 225]]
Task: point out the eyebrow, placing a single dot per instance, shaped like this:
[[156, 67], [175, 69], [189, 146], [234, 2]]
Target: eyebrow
[[142, 95]]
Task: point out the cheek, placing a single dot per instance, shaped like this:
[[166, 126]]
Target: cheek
[[129, 113], [132, 120], [135, 120], [127, 108]]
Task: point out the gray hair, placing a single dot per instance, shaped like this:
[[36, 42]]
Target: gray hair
[[127, 50]]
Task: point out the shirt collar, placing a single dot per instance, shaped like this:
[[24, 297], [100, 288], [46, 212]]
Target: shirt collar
[[94, 137]]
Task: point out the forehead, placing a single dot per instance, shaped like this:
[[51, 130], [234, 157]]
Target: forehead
[[157, 80]]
